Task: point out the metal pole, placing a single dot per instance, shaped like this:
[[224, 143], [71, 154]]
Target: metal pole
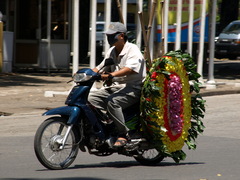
[[107, 23], [151, 41], [212, 43], [179, 25], [201, 42], [1, 42], [162, 9], [190, 27], [93, 33], [39, 33], [165, 27], [139, 31], [49, 8], [75, 37], [124, 10]]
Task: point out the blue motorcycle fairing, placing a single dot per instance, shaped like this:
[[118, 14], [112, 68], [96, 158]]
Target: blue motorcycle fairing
[[72, 111], [90, 115], [99, 131], [76, 97], [88, 71]]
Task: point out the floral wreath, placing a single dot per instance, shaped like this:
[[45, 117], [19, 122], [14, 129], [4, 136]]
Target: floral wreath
[[171, 108]]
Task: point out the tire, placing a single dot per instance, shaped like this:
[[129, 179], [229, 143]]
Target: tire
[[149, 157], [47, 143]]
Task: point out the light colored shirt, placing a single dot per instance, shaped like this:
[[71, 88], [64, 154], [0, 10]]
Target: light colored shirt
[[130, 57]]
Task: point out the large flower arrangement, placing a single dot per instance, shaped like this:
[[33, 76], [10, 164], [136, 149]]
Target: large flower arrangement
[[171, 108]]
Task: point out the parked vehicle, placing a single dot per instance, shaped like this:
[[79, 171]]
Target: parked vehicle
[[80, 125], [100, 32], [227, 45], [100, 25]]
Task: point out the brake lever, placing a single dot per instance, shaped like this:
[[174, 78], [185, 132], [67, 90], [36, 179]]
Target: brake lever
[[70, 81]]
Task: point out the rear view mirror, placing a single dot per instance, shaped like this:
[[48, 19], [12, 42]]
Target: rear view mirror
[[108, 62]]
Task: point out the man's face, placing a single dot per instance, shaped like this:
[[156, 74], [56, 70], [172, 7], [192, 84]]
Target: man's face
[[112, 38]]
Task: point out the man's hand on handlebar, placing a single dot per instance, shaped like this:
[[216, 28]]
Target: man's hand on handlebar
[[106, 76]]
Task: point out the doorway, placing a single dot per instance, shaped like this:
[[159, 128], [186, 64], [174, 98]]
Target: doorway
[[42, 33]]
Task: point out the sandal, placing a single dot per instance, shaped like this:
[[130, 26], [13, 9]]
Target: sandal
[[120, 142]]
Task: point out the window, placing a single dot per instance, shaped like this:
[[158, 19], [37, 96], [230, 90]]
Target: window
[[28, 19], [59, 19]]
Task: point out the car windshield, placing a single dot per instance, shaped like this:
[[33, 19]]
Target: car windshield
[[232, 28]]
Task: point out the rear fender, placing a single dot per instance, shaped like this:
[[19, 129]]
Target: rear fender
[[72, 112]]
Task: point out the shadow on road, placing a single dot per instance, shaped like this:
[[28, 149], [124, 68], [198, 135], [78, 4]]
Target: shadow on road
[[73, 178], [14, 79], [126, 164]]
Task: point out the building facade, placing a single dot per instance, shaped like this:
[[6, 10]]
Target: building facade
[[41, 31]]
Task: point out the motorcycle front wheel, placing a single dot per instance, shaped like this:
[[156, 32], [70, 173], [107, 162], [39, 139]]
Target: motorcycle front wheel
[[48, 147], [149, 157]]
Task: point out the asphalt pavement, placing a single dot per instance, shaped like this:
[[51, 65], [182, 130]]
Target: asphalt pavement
[[26, 94], [29, 91]]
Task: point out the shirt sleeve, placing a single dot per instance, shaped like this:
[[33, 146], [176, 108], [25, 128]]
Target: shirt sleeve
[[134, 60]]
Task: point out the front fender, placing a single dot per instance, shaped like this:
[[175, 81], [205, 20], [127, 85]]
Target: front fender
[[72, 112]]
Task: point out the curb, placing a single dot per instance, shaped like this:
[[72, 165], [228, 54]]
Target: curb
[[220, 92]]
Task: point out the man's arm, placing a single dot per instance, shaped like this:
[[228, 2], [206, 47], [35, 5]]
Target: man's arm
[[122, 72], [95, 70]]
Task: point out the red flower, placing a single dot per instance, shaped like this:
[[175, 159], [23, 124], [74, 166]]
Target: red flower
[[154, 75], [148, 99]]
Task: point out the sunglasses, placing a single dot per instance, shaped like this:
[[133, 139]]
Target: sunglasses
[[113, 38]]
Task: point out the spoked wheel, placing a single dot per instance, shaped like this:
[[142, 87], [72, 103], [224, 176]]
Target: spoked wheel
[[149, 157], [48, 144]]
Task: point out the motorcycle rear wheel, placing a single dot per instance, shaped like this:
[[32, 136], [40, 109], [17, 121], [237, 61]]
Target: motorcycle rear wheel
[[47, 143], [149, 157]]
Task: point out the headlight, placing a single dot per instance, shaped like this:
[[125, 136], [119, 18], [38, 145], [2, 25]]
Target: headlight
[[80, 77]]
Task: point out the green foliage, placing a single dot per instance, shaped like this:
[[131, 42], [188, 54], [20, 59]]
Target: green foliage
[[178, 156], [150, 89]]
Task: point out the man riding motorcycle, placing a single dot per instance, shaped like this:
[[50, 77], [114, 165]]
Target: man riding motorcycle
[[126, 77]]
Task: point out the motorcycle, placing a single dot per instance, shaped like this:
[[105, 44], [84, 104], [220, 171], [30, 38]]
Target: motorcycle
[[80, 125]]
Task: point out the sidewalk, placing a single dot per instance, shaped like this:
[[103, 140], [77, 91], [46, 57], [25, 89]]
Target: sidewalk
[[23, 93], [226, 77]]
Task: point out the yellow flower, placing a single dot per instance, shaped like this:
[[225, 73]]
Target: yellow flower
[[174, 66]]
